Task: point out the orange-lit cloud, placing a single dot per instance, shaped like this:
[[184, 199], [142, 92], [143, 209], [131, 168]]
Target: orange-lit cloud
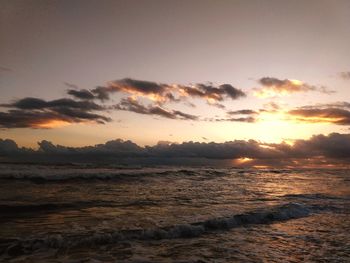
[[161, 92], [335, 113], [51, 124], [42, 114], [326, 115], [274, 87]]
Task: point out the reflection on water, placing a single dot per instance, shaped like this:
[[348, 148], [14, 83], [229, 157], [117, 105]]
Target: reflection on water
[[190, 215]]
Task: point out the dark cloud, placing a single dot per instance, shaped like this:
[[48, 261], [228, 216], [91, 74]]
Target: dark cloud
[[38, 113], [248, 116], [102, 93], [230, 119], [116, 147], [98, 93], [37, 104], [243, 112], [345, 75], [338, 105], [162, 92], [141, 86], [82, 107], [5, 69], [158, 93], [278, 87], [212, 93], [83, 94], [332, 148], [334, 145], [47, 119], [218, 105], [335, 113], [242, 119], [133, 105], [8, 146]]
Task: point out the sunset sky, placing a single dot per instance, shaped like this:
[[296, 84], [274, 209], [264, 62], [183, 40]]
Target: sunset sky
[[80, 73]]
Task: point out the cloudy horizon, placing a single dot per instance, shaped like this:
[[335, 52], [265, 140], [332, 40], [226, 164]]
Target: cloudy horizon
[[84, 74]]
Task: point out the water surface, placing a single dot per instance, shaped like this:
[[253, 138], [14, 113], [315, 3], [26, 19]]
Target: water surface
[[104, 214]]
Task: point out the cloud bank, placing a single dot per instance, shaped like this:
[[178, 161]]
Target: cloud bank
[[326, 150]]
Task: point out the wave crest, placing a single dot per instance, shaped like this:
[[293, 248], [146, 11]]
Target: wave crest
[[263, 216]]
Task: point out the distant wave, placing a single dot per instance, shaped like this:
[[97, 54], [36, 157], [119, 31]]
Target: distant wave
[[46, 207], [9, 211], [313, 196], [52, 175], [191, 230]]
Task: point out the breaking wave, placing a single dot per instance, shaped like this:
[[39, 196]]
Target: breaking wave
[[284, 212]]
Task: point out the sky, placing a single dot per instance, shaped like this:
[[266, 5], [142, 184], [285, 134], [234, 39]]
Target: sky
[[79, 73]]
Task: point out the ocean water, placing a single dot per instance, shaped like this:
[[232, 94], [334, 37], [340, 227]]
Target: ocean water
[[72, 213]]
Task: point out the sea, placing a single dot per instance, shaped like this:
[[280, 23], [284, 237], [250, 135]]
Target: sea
[[103, 213]]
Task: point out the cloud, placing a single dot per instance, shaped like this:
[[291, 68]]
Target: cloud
[[243, 112], [37, 104], [327, 149], [335, 113], [339, 104], [116, 147], [102, 93], [138, 86], [345, 75], [240, 119], [248, 116], [212, 94], [83, 94], [161, 92], [5, 69], [81, 107], [130, 104], [38, 113], [8, 146], [272, 87], [327, 115]]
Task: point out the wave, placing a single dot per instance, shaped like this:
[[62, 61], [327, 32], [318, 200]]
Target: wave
[[68, 175], [191, 230], [9, 211], [52, 175], [47, 207], [314, 196]]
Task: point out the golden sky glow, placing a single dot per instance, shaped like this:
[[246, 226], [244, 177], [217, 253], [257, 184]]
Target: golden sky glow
[[51, 124], [185, 58]]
